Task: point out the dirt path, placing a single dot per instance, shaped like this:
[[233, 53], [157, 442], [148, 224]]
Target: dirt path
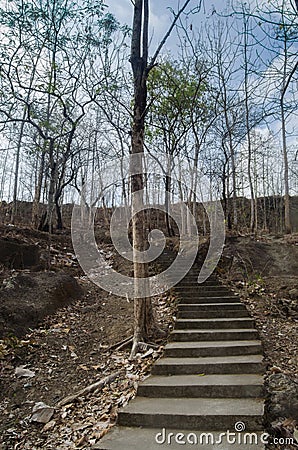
[[71, 349]]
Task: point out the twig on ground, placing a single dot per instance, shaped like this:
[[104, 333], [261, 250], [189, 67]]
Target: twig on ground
[[119, 344], [92, 387], [125, 344]]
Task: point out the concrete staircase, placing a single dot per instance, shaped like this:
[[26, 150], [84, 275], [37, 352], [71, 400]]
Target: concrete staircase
[[209, 378]]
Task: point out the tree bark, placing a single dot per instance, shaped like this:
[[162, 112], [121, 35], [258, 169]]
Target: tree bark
[[143, 311], [16, 172], [288, 227], [47, 222], [37, 194], [248, 133], [142, 305]]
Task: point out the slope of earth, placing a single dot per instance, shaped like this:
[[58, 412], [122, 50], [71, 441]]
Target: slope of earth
[[79, 345], [71, 349], [264, 272]]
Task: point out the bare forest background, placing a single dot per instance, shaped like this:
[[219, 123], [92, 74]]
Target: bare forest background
[[220, 118]]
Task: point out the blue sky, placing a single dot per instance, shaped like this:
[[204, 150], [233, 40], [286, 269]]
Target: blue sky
[[161, 16]]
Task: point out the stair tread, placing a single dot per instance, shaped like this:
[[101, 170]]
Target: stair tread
[[217, 319], [210, 360], [201, 300], [201, 287], [217, 330], [196, 406], [208, 344], [195, 305], [206, 380], [208, 297], [134, 438]]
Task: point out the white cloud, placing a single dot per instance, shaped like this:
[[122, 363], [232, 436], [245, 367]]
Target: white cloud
[[159, 22], [122, 10]]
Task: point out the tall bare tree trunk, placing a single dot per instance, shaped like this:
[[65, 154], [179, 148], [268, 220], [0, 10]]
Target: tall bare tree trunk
[[253, 199], [288, 227], [139, 61], [168, 203], [37, 194], [20, 138], [143, 311], [17, 168], [286, 82], [47, 221]]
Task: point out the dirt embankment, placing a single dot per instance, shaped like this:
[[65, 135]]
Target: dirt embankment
[[264, 272], [27, 298], [72, 348], [34, 281]]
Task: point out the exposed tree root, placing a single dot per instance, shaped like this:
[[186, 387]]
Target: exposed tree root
[[91, 388], [121, 344]]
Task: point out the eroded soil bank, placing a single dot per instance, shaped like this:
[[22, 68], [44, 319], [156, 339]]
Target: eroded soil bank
[[264, 272]]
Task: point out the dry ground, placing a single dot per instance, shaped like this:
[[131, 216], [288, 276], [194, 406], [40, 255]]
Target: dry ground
[[76, 346], [264, 272]]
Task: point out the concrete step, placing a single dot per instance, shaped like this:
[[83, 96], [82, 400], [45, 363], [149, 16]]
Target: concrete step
[[243, 364], [135, 438], [193, 284], [204, 290], [200, 288], [192, 413], [209, 378], [193, 278], [213, 335], [208, 386], [187, 281], [210, 306], [207, 324], [185, 293], [198, 298], [192, 272], [210, 287], [212, 314], [212, 348]]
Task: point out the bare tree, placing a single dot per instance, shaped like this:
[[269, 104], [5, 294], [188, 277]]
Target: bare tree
[[68, 54], [143, 312]]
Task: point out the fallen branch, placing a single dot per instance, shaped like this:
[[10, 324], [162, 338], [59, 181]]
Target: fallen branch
[[119, 344], [92, 387], [125, 344]]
